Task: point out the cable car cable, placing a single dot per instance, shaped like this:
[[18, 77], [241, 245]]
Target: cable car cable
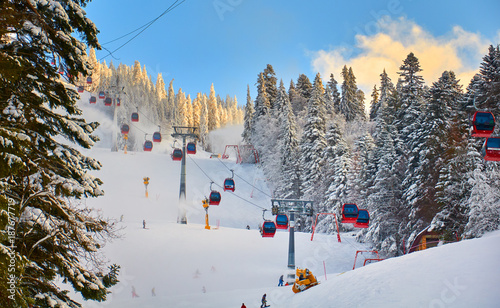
[[244, 179], [169, 9], [256, 205]]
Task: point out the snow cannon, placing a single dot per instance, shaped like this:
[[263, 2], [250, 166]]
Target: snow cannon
[[305, 280]]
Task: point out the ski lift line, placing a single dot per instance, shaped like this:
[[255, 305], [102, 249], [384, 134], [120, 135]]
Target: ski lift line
[[139, 28], [211, 180], [244, 179], [139, 129], [169, 9]]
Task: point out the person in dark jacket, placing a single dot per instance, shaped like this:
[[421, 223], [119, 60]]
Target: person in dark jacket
[[264, 301], [280, 284]]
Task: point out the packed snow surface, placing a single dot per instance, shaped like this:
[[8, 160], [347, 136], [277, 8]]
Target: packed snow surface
[[174, 265]]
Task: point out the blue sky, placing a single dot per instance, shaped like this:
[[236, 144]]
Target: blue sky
[[228, 42]]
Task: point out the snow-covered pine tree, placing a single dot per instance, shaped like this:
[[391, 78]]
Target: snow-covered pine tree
[[213, 110], [291, 90], [384, 197], [41, 178], [189, 111], [335, 96], [303, 89], [288, 184], [363, 147], [235, 115], [349, 103], [483, 204], [271, 84], [170, 106], [180, 108], [197, 110], [489, 83], [337, 163], [313, 142], [160, 98], [204, 124], [433, 146], [360, 97], [375, 103], [388, 99], [260, 119], [410, 96], [249, 112]]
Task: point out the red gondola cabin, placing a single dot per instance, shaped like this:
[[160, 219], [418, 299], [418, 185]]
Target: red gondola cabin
[[135, 117], [491, 149], [281, 221], [102, 95], [363, 219], [191, 148], [483, 124], [214, 198], [229, 184], [156, 137], [89, 80], [177, 154], [93, 100], [125, 129], [349, 213], [268, 228], [80, 89], [108, 101], [148, 146]]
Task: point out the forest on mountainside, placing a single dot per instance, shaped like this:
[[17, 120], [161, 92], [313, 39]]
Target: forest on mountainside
[[162, 106], [411, 161]]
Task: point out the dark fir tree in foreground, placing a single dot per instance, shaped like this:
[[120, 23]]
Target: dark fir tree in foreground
[[45, 234]]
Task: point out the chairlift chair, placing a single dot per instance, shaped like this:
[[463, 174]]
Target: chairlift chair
[[363, 219], [349, 213], [483, 124]]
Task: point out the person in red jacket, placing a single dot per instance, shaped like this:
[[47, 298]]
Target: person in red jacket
[[243, 305]]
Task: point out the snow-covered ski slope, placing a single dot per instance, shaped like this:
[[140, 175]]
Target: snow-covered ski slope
[[188, 266]]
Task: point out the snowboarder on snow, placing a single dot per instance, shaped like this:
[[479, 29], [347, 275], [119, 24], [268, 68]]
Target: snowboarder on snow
[[264, 301], [144, 224], [280, 284]]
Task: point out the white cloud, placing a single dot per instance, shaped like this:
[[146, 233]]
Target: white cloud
[[459, 51]]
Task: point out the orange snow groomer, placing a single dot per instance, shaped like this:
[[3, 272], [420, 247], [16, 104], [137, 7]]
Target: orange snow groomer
[[305, 279]]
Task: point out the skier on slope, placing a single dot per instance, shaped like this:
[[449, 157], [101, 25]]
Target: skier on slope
[[280, 284]]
